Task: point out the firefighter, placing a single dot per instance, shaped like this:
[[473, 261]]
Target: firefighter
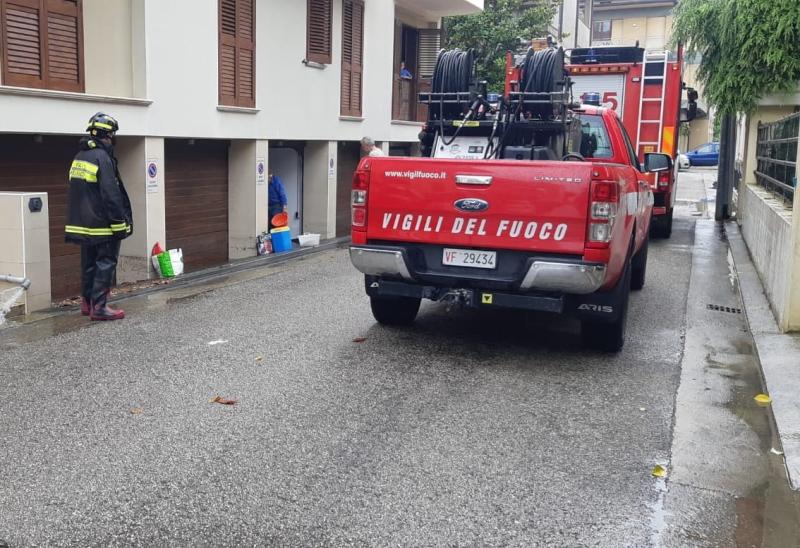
[[99, 215]]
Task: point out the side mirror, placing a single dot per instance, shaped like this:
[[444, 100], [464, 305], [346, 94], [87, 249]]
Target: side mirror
[[655, 162]]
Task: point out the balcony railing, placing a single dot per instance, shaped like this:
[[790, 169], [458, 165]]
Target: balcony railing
[[776, 154]]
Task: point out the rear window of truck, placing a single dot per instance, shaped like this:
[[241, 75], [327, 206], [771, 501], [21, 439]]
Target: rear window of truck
[[592, 141]]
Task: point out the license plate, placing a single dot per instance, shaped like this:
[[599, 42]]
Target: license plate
[[470, 258]]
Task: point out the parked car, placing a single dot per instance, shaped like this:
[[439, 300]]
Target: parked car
[[705, 155], [683, 161]]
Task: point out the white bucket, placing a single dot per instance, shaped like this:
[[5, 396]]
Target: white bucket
[[308, 240]]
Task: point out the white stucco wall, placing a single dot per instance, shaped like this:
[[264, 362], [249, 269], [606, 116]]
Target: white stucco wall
[[108, 43], [175, 68]]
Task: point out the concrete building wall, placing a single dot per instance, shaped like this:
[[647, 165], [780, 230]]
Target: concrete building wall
[[153, 65], [770, 226], [108, 47], [767, 229]]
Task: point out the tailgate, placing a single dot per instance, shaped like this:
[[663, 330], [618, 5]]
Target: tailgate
[[525, 206]]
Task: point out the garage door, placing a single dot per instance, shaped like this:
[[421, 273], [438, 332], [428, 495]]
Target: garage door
[[28, 166], [196, 187]]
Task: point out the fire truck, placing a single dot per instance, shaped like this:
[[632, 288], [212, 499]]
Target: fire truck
[[645, 89]]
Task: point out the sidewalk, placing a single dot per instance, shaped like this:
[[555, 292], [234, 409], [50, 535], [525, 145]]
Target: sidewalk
[[779, 354], [216, 273]]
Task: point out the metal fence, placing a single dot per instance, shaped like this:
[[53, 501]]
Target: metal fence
[[777, 156]]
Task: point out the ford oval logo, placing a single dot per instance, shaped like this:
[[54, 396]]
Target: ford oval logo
[[472, 205]]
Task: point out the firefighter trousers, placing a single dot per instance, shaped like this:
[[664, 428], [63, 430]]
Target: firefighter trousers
[[98, 270]]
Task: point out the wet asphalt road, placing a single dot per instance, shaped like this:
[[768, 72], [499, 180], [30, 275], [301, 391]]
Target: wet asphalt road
[[467, 429]]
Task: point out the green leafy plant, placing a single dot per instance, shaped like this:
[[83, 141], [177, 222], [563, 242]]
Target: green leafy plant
[[749, 48], [502, 26]]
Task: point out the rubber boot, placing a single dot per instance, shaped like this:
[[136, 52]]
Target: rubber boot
[[101, 312], [86, 308], [105, 313]]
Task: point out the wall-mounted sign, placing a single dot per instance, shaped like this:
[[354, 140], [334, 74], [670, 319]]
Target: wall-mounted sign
[[152, 176], [261, 171]]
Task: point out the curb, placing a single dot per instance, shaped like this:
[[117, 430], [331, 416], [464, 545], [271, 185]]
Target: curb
[[778, 354]]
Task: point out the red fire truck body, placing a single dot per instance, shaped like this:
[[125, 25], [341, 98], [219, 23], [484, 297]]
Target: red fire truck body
[[645, 89]]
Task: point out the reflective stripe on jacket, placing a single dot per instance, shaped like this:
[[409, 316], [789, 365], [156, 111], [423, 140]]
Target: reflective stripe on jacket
[[98, 207]]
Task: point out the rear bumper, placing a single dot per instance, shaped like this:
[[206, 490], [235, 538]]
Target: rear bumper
[[380, 262], [552, 275]]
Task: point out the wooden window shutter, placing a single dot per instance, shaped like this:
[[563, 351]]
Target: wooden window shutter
[[352, 57], [429, 43], [42, 43], [237, 53], [318, 32]]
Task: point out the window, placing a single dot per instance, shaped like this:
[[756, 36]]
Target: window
[[42, 44], [632, 157], [237, 53], [352, 56], [593, 141], [601, 31], [318, 31]]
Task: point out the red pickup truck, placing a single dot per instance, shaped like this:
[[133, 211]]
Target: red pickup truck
[[564, 237]]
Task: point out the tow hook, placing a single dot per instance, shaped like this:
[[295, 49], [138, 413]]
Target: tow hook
[[457, 298]]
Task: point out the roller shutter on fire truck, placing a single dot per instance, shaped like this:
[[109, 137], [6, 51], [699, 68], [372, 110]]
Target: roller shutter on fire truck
[[611, 88]]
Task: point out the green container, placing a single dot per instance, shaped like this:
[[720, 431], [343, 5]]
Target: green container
[[165, 263]]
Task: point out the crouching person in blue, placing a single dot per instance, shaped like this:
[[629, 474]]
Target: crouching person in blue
[[99, 216]]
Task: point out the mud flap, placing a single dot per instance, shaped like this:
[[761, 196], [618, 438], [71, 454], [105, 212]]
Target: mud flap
[[600, 306]]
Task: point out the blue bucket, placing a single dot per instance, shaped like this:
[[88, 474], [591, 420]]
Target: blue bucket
[[281, 239]]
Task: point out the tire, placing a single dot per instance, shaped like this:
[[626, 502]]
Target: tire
[[661, 227], [609, 336], [395, 310], [639, 267]]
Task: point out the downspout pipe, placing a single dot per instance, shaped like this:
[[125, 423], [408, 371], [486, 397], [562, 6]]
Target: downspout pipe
[[25, 283]]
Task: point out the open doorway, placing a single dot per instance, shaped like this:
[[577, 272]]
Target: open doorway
[[286, 162]]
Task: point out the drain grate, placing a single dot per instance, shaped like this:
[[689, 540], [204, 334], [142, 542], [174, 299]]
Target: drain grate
[[728, 309]]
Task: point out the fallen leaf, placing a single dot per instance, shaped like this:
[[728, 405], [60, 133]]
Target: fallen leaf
[[215, 343], [642, 409], [222, 401], [763, 400], [359, 339], [137, 411], [659, 471], [775, 451], [259, 359]]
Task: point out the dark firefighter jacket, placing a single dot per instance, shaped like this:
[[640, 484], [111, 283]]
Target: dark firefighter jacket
[[99, 209]]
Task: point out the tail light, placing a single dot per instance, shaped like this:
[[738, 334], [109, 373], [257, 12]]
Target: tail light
[[359, 199], [602, 212], [664, 179]]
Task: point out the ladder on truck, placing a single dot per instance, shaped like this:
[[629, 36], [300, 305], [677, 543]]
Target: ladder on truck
[[651, 58]]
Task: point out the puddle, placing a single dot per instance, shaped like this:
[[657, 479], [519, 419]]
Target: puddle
[[768, 515], [658, 518]]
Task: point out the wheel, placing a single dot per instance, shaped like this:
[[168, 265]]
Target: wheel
[[395, 310], [639, 267], [661, 227], [610, 336]]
